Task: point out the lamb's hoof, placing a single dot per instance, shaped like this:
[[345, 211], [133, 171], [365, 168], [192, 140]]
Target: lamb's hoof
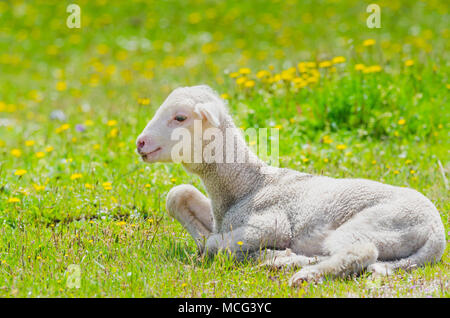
[[305, 275], [379, 269]]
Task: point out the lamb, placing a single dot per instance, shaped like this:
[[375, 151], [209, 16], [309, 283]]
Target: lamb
[[325, 226]]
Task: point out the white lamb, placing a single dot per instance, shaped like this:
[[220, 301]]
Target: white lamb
[[326, 226]]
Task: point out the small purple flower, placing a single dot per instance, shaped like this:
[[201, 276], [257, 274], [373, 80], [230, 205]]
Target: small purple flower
[[80, 128]]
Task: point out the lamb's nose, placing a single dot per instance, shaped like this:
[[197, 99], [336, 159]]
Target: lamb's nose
[[141, 145], [141, 142]]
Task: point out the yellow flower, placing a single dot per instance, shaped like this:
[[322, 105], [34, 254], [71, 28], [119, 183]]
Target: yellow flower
[[96, 146], [245, 70], [29, 143], [120, 223], [13, 200], [113, 133], [396, 172], [49, 149], [61, 86], [20, 172], [359, 67], [234, 75], [225, 96], [305, 160], [341, 147], [62, 128], [16, 153], [241, 80], [89, 122], [143, 101], [88, 186], [262, 73], [148, 186], [409, 63], [173, 180], [412, 172], [401, 122], [240, 243], [374, 162], [76, 176], [249, 84], [38, 187], [325, 160], [369, 42], [107, 185], [338, 59], [372, 69], [40, 154], [327, 139], [408, 162], [325, 64], [112, 122]]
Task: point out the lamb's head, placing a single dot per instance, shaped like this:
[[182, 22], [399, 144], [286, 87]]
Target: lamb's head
[[181, 109]]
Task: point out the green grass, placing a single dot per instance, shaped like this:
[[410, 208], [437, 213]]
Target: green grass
[[88, 200]]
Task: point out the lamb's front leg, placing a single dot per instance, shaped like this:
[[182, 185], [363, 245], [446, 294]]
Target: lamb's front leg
[[193, 210], [258, 233]]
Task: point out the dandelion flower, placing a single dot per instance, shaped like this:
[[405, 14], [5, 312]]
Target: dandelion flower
[[16, 153], [341, 147], [76, 176], [327, 139], [369, 42], [61, 86], [29, 143], [40, 154], [113, 133], [409, 63], [359, 67], [20, 172], [338, 60], [38, 187], [325, 64], [401, 122], [245, 71], [249, 84], [240, 243], [13, 200]]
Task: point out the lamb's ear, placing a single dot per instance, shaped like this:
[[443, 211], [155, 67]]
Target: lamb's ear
[[209, 112]]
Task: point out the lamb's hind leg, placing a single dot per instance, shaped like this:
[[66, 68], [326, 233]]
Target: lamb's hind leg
[[192, 209], [350, 251]]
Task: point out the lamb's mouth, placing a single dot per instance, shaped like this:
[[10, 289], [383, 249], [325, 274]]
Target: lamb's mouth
[[148, 155]]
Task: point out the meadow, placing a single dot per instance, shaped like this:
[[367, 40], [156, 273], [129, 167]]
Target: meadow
[[348, 100]]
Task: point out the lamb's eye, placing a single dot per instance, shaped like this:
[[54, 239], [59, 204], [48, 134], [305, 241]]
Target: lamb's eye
[[180, 118]]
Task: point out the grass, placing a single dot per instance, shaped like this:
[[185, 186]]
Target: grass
[[72, 102]]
